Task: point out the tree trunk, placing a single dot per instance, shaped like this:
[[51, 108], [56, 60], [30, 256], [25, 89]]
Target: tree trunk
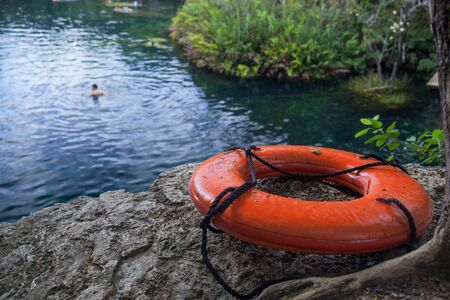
[[439, 16], [397, 59], [431, 258], [379, 69]]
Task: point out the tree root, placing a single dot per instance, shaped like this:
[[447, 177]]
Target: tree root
[[422, 261]]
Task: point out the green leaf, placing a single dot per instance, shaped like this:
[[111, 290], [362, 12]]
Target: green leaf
[[376, 118], [362, 132], [394, 133], [394, 145], [438, 134], [372, 139], [391, 127], [411, 139], [428, 160], [376, 124], [422, 136], [366, 121], [381, 140], [431, 141]]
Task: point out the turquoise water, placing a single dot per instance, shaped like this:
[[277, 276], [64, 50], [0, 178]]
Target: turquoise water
[[56, 143]]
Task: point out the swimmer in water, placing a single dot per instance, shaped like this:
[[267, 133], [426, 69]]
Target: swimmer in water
[[96, 92]]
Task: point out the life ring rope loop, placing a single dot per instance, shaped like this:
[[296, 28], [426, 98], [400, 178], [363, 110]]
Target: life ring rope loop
[[409, 217]]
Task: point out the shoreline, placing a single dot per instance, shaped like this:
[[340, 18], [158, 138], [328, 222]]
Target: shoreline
[[146, 244]]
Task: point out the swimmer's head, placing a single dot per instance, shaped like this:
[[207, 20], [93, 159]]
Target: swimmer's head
[[94, 86]]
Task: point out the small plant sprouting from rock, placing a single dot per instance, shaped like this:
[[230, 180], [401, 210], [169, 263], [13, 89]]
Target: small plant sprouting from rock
[[428, 147]]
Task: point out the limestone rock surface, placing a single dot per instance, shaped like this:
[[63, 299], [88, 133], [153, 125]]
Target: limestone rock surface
[[145, 245]]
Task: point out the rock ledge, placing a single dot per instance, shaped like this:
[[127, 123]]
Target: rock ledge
[[146, 246]]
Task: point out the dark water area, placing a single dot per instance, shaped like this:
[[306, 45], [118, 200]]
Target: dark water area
[[57, 143]]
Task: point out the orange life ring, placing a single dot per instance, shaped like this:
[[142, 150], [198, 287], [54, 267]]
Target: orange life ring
[[356, 226]]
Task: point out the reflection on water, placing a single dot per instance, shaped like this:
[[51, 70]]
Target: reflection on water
[[57, 143]]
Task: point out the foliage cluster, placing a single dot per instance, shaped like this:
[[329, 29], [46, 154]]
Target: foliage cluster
[[396, 34], [282, 39], [305, 39], [428, 147]]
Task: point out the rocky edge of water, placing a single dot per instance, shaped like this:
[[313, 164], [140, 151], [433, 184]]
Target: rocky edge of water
[[146, 246]]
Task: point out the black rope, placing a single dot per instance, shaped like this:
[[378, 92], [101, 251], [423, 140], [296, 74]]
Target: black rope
[[215, 203], [394, 163], [308, 177], [223, 283], [218, 207], [409, 217]]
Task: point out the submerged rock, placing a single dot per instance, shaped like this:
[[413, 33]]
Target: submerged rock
[[146, 245]]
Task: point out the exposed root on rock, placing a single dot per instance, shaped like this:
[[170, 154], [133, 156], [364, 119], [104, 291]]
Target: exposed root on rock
[[424, 260]]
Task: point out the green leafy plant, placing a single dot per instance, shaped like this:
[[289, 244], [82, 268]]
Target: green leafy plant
[[281, 39], [305, 39], [383, 138], [428, 147], [396, 35]]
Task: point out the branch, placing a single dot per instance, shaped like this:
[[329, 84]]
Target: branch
[[372, 18]]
